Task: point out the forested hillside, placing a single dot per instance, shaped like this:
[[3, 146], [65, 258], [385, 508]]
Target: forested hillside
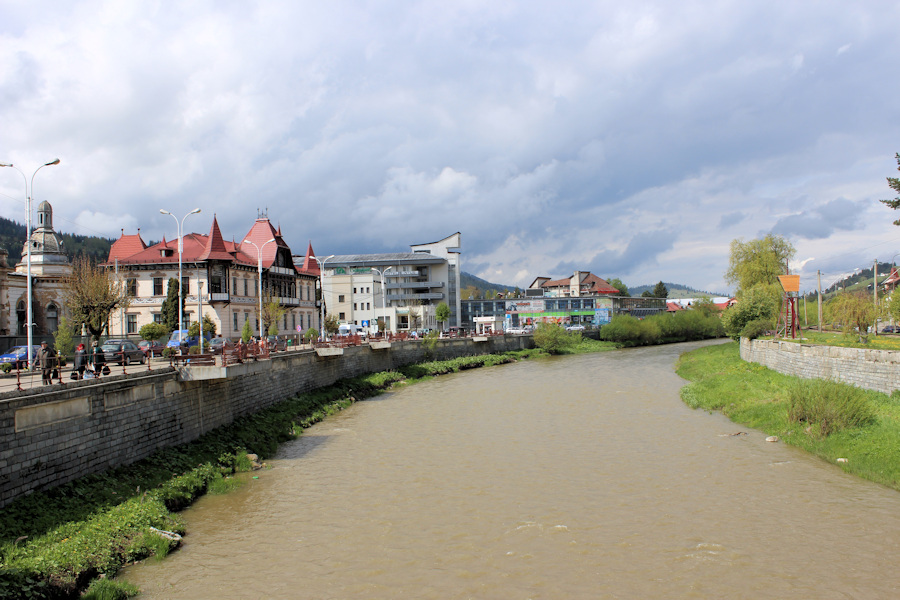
[[12, 239]]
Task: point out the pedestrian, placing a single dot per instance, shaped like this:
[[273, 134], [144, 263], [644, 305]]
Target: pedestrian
[[80, 362], [98, 359], [45, 359]]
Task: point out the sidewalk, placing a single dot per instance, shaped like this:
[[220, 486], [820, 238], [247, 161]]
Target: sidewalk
[[32, 379]]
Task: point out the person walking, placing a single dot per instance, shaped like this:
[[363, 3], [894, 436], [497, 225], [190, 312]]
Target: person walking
[[98, 359], [45, 359], [80, 362]]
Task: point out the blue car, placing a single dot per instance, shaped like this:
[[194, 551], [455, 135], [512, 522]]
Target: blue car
[[18, 356]]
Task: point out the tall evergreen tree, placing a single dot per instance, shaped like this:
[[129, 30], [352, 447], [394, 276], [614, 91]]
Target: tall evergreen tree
[[170, 306], [894, 183], [660, 290]]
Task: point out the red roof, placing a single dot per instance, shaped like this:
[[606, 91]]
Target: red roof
[[589, 283], [673, 307], [215, 246], [126, 246], [261, 232], [310, 264]]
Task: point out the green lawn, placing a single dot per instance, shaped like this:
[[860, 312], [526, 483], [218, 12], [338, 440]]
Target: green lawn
[[758, 397]]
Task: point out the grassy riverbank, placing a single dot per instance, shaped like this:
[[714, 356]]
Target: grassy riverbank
[[54, 544], [831, 420]]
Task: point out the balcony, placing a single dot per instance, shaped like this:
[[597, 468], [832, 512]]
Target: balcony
[[285, 301], [219, 297], [410, 285], [281, 271], [428, 296]]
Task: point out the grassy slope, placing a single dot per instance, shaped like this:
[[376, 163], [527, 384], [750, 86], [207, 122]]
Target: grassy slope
[[755, 396]]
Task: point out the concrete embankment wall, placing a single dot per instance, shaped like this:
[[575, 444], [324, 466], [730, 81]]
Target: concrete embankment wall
[[52, 435], [877, 370]]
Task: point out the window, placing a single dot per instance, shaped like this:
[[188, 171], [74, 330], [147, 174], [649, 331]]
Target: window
[[245, 286], [234, 319], [246, 317], [157, 286], [186, 283], [234, 285], [157, 318], [52, 318], [131, 287], [285, 321], [130, 324], [354, 306], [354, 290], [294, 320], [340, 297], [341, 316], [368, 306]]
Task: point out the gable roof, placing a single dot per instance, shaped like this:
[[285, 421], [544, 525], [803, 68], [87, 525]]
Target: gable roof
[[126, 246]]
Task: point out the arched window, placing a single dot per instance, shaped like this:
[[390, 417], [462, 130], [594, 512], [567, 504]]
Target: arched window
[[52, 318], [21, 315]]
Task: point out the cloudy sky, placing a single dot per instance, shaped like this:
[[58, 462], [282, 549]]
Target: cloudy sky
[[631, 139]]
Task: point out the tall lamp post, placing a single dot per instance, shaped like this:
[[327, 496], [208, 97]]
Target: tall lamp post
[[321, 262], [180, 225], [28, 197], [259, 272], [383, 307]]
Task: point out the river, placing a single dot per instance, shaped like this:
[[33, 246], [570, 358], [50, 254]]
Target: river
[[570, 477]]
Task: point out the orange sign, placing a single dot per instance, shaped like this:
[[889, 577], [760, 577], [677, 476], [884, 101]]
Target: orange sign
[[790, 283]]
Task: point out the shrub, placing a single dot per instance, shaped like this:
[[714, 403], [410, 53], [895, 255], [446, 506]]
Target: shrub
[[169, 352], [757, 328], [829, 405], [551, 338], [757, 303]]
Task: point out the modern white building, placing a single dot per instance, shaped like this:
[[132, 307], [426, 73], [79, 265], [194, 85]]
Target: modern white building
[[401, 288]]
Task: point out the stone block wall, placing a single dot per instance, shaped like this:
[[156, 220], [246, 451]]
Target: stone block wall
[[52, 435], [877, 370]]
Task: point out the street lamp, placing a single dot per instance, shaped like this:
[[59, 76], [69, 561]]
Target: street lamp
[[180, 226], [259, 272], [321, 262], [28, 308], [383, 307]]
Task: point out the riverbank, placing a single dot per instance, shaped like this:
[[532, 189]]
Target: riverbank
[[866, 445], [55, 543]]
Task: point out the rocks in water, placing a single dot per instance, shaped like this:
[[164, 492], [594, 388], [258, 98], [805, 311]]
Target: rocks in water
[[772, 438], [169, 535]]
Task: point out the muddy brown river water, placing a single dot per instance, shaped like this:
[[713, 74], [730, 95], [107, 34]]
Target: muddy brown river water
[[571, 477]]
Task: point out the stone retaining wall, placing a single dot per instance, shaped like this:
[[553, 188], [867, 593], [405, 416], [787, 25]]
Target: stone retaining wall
[[870, 369], [52, 435]]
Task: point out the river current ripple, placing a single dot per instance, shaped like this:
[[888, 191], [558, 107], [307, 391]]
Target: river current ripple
[[570, 477]]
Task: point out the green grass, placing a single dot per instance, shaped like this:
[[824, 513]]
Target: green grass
[[828, 419]]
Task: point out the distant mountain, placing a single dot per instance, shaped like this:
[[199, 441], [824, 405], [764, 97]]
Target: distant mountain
[[12, 239], [470, 284], [676, 291]]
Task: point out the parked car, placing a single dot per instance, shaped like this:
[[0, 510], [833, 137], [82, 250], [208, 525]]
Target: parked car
[[119, 351], [18, 356], [151, 348], [891, 329], [277, 343], [217, 345], [575, 328]]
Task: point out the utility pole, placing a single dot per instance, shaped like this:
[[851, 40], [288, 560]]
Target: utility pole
[[819, 277], [875, 295]]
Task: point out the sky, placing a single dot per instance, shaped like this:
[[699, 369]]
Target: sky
[[630, 139]]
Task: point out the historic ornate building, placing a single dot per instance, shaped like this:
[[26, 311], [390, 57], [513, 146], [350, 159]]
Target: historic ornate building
[[49, 268], [220, 277]]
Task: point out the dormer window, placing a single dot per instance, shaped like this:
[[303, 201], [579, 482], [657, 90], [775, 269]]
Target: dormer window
[[167, 252]]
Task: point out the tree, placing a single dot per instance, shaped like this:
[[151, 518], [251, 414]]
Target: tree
[[415, 318], [91, 295], [332, 325], [272, 311], [757, 304], [894, 184], [758, 261], [442, 314], [153, 331], [170, 306], [310, 334], [65, 338], [660, 290], [209, 327], [854, 310], [617, 283], [246, 332], [647, 294]]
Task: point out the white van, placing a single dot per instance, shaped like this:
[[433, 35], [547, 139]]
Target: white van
[[349, 329]]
